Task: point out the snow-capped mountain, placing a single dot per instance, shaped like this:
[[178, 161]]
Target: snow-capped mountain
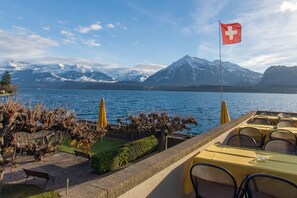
[[137, 73], [28, 73], [184, 72], [189, 71]]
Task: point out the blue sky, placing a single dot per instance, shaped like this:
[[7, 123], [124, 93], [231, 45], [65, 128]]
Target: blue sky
[[122, 33]]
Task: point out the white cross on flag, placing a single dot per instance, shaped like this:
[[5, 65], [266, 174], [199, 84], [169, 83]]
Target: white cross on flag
[[231, 33]]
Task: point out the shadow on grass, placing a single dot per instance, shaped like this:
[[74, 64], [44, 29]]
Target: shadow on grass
[[21, 191]]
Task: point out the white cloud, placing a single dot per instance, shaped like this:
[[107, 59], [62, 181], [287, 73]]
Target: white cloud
[[268, 34], [86, 29], [67, 33], [83, 30], [204, 16], [62, 21], [121, 25], [70, 37], [90, 43], [288, 6], [21, 43], [95, 26], [46, 28], [110, 26], [269, 37], [147, 68], [21, 30]]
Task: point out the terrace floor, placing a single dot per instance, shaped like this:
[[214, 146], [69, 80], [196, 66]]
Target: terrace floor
[[61, 165]]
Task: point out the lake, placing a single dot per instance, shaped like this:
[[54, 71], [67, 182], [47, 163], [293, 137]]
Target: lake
[[204, 106]]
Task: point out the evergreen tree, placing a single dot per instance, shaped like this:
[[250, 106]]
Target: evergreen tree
[[5, 79]]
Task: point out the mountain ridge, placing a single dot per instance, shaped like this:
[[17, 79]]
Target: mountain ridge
[[186, 71], [189, 71]]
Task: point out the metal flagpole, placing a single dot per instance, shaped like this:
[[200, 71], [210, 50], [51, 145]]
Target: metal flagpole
[[220, 53]]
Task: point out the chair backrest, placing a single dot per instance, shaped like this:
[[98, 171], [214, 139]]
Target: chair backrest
[[266, 114], [285, 123], [212, 181], [280, 146], [241, 140], [261, 120], [255, 133], [284, 134], [283, 115], [263, 185]]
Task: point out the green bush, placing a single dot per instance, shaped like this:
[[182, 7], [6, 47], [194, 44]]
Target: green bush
[[108, 160]]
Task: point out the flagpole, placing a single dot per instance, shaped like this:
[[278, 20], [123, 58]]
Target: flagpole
[[220, 54]]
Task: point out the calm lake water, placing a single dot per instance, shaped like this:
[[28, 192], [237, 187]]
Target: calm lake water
[[204, 106]]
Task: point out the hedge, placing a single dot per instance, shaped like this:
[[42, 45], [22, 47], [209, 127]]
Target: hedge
[[108, 160]]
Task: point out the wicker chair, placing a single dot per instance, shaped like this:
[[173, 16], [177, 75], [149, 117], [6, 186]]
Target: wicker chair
[[280, 146], [264, 185], [240, 140], [284, 134], [285, 123], [255, 133], [212, 181]]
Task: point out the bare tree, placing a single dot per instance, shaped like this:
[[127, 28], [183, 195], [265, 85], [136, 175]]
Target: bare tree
[[16, 117], [159, 124]]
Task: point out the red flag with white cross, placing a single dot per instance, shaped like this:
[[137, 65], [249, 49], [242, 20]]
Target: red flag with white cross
[[231, 33]]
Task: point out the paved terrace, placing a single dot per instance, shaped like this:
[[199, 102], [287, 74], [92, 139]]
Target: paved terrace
[[59, 164]]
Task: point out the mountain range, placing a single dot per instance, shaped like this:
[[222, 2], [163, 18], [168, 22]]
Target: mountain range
[[187, 71]]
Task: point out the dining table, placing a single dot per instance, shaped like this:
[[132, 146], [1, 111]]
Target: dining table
[[243, 161]]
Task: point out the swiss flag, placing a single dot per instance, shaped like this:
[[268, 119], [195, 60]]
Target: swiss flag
[[231, 33]]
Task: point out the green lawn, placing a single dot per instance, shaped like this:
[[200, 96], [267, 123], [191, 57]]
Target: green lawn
[[28, 191], [106, 144]]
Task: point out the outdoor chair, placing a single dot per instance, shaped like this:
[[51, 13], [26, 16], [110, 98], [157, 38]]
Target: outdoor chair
[[280, 146], [261, 120], [266, 114], [212, 181], [241, 140], [284, 134], [268, 186], [283, 115], [285, 123], [255, 133]]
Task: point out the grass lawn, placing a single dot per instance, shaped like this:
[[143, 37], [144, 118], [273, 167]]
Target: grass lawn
[[21, 191], [106, 144]]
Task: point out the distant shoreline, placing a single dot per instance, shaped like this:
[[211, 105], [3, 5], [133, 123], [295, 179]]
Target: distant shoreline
[[143, 87]]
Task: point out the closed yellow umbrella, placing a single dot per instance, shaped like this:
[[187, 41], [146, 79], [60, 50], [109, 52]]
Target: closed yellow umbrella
[[102, 122], [224, 113]]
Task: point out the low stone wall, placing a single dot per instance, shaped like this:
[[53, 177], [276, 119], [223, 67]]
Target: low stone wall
[[161, 175], [173, 141]]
